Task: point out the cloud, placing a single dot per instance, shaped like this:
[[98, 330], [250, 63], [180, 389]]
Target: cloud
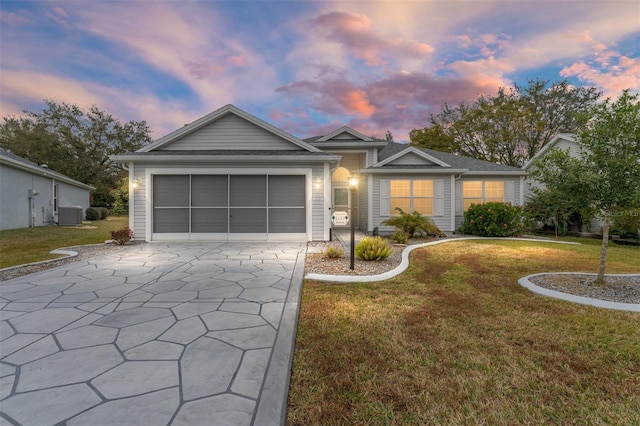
[[613, 79], [13, 19], [354, 32]]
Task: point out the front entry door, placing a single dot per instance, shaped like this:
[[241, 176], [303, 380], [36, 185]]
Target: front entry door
[[341, 203]]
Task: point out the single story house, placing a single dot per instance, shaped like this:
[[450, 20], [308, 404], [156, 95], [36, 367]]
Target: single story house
[[231, 176], [32, 195]]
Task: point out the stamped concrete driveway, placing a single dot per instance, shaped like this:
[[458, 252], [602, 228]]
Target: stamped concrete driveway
[[155, 334]]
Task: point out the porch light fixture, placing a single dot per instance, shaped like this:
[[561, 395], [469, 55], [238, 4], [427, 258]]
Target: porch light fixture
[[353, 185], [135, 184]]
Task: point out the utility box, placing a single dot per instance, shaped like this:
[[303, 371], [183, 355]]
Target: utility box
[[70, 215]]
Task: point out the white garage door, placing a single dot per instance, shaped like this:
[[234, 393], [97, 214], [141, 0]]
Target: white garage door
[[229, 207]]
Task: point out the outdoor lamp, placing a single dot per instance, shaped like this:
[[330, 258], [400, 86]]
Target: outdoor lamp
[[353, 185]]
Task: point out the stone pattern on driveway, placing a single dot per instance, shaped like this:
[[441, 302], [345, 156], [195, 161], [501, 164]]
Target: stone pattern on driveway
[[179, 333]]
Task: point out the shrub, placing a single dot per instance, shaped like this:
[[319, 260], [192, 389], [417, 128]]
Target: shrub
[[122, 235], [334, 251], [413, 223], [627, 224], [400, 237], [104, 212], [493, 219], [373, 248], [92, 214]]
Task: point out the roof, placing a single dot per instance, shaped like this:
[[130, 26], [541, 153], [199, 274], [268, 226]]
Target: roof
[[21, 163], [227, 155], [456, 162], [570, 137]]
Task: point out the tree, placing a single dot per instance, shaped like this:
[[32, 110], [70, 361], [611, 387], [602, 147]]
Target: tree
[[511, 126], [611, 158], [563, 194], [75, 142]]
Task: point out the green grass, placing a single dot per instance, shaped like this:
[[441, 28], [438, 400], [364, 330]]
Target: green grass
[[20, 246], [455, 340]]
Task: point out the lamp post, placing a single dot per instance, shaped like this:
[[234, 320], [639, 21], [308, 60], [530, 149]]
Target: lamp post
[[353, 185]]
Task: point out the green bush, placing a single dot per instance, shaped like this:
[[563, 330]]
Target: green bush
[[92, 214], [104, 212], [334, 251], [627, 224], [122, 235], [400, 237], [413, 224], [373, 248], [493, 220]]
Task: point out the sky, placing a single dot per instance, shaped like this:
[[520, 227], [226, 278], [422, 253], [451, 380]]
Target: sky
[[307, 67]]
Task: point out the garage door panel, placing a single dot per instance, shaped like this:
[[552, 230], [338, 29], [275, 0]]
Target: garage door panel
[[209, 190], [210, 220], [286, 191], [283, 221], [247, 191], [247, 221], [171, 220], [171, 191]]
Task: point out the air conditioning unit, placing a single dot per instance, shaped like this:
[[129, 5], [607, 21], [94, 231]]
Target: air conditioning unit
[[70, 215]]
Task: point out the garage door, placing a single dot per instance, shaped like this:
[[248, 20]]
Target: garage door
[[229, 207]]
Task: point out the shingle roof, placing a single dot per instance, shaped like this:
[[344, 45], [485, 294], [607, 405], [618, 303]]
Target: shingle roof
[[455, 161]]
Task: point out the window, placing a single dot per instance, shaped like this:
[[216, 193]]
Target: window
[[479, 192], [411, 195]]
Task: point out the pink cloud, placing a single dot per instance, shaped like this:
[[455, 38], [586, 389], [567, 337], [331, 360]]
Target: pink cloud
[[204, 69], [354, 32], [238, 60], [356, 102], [614, 79], [59, 16]]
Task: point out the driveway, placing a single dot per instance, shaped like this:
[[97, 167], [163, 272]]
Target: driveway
[[180, 333]]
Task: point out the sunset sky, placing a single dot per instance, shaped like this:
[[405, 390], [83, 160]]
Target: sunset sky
[[307, 67]]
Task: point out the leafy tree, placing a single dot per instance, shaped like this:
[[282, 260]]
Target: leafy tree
[[564, 193], [611, 159], [511, 126], [75, 142], [388, 136]]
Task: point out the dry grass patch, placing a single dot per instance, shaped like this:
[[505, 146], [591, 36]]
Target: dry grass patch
[[455, 340]]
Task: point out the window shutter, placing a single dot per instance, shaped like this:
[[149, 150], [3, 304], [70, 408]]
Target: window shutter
[[438, 189], [385, 201], [509, 187], [459, 209]]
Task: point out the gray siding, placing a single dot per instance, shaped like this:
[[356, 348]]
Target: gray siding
[[409, 159], [442, 222], [14, 199], [231, 132]]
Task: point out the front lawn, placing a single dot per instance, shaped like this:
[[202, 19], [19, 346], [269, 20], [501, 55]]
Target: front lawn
[[20, 246], [456, 340]]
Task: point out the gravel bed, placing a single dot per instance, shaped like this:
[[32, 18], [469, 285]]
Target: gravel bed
[[316, 263], [616, 288]]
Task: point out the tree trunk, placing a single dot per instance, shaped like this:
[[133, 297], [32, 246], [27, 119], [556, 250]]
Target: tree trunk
[[605, 246]]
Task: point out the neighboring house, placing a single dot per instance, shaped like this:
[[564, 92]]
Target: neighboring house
[[565, 142], [232, 176], [32, 195]]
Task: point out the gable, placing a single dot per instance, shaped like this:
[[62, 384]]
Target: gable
[[344, 136], [411, 159], [231, 132], [345, 133]]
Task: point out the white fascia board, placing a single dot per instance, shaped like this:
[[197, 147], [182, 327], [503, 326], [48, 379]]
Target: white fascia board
[[343, 129], [501, 173], [414, 150], [331, 145], [59, 177], [215, 115], [385, 171], [225, 158]]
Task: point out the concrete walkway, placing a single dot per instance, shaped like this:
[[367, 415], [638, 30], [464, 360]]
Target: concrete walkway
[[156, 334]]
